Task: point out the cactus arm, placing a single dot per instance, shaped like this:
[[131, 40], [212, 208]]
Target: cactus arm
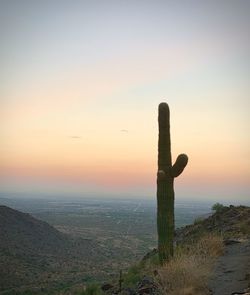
[[179, 165]]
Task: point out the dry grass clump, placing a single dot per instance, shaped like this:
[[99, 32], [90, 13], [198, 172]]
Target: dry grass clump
[[187, 273]]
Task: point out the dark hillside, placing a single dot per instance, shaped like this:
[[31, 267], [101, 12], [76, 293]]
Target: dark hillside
[[20, 232], [35, 255]]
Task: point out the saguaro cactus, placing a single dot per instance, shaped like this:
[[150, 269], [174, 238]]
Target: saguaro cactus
[[165, 186]]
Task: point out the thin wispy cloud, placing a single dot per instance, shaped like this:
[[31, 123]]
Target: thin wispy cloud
[[75, 137]]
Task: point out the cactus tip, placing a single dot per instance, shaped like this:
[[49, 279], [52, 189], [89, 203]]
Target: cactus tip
[[163, 106]]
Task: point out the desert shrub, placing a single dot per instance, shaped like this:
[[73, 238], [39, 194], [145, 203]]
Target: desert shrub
[[210, 246], [244, 228], [188, 271], [198, 220], [154, 261], [133, 275], [181, 274], [217, 207], [92, 290]]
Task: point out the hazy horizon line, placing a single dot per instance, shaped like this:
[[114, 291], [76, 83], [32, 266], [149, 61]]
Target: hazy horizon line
[[111, 197]]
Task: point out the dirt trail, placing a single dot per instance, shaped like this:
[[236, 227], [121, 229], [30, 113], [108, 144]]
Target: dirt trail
[[232, 270]]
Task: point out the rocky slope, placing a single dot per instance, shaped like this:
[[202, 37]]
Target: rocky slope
[[231, 222], [230, 274]]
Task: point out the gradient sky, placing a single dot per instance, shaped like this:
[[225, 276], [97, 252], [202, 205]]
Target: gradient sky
[[81, 82]]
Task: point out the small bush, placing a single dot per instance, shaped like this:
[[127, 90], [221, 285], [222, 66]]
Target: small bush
[[133, 275], [198, 220], [217, 207], [244, 228], [92, 290], [188, 271]]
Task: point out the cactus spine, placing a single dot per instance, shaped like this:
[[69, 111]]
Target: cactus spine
[[165, 186]]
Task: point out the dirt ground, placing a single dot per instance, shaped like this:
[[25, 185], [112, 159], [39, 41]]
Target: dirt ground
[[232, 270]]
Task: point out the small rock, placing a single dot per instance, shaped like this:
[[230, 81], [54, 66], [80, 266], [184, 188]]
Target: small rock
[[147, 286], [230, 242], [106, 287]]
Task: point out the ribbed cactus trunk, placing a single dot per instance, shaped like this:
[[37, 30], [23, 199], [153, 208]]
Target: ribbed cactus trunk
[[165, 186]]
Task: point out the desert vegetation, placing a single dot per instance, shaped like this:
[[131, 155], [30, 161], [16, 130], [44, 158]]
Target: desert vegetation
[[72, 271], [218, 207], [198, 247], [188, 272]]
